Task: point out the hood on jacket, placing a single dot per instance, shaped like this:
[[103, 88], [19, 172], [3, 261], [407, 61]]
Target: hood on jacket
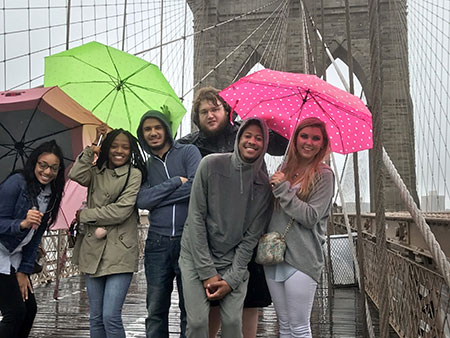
[[258, 163], [165, 122]]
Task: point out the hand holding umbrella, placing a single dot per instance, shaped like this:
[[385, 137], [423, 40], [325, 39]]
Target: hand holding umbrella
[[101, 131]]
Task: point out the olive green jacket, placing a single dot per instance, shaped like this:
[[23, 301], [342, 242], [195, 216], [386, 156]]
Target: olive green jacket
[[118, 251]]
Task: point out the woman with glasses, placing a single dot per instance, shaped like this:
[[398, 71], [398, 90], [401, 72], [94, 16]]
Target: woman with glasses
[[30, 200]]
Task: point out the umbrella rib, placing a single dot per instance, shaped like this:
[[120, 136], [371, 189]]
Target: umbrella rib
[[104, 98], [23, 160], [137, 97], [87, 64], [304, 100], [7, 146], [51, 134], [330, 118], [126, 108], [157, 91], [366, 118], [87, 82], [112, 60], [268, 100], [7, 131], [15, 161], [31, 118], [137, 71], [112, 104], [6, 154]]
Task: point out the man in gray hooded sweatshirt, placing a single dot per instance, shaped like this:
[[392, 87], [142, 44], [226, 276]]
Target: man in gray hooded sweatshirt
[[171, 168], [230, 206]]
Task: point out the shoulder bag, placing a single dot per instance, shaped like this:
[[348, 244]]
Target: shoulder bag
[[272, 246]]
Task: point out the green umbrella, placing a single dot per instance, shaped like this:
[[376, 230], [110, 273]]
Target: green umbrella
[[116, 86]]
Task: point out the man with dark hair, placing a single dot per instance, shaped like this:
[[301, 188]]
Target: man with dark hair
[[230, 207], [171, 168]]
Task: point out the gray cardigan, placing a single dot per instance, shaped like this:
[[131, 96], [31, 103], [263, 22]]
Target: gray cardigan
[[306, 237]]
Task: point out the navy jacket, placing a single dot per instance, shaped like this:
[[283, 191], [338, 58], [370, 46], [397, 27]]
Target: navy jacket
[[15, 204], [163, 195]]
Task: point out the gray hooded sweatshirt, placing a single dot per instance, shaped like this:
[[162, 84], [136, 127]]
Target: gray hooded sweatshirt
[[230, 206]]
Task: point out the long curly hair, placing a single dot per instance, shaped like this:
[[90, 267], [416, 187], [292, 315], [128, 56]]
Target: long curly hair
[[57, 185], [135, 153], [311, 174]]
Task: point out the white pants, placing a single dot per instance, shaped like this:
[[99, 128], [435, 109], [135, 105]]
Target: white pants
[[293, 300]]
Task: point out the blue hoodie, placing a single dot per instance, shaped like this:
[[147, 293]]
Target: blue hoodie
[[163, 195]]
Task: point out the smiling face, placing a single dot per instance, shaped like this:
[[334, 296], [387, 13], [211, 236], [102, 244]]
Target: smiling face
[[46, 168], [309, 142], [154, 134], [251, 143], [119, 152], [212, 117]]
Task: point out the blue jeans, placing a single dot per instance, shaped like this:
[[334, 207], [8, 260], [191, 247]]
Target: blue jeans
[[161, 267], [106, 297]]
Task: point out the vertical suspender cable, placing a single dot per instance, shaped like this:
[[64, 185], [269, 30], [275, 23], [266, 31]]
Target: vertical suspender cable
[[161, 36], [68, 24], [124, 24], [376, 103], [360, 249]]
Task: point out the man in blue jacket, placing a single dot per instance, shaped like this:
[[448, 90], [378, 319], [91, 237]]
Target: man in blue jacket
[[171, 169]]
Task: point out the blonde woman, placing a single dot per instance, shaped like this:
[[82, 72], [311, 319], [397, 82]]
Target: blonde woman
[[303, 190]]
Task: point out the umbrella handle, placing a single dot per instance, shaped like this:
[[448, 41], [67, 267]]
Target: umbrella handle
[[99, 140]]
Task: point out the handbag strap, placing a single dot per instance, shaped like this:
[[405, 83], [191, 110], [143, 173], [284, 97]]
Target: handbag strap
[[288, 227]]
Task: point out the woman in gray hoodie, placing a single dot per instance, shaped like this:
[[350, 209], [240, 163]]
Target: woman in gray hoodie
[[303, 189]]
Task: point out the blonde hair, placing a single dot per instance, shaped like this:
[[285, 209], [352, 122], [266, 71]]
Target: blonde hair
[[312, 173]]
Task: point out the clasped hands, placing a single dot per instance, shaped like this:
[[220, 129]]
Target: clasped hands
[[216, 288]]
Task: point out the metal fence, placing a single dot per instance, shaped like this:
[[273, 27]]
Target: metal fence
[[57, 260], [418, 297]]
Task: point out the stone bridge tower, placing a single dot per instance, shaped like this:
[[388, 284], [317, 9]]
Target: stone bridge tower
[[289, 54]]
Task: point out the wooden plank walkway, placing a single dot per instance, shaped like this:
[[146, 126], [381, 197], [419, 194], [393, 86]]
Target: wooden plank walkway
[[68, 317]]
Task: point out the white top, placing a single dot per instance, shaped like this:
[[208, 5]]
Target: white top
[[8, 259]]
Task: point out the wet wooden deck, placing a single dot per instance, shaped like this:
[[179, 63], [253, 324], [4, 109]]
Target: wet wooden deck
[[68, 317]]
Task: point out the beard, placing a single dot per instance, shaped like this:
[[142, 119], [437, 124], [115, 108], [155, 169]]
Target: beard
[[160, 146], [219, 130]]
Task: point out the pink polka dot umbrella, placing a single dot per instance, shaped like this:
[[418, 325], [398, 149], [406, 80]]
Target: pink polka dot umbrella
[[284, 99]]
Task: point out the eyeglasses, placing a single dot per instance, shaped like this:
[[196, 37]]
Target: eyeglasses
[[212, 110], [45, 165]]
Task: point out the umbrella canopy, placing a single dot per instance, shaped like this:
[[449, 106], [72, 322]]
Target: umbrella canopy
[[116, 86], [32, 116], [74, 195], [284, 99]]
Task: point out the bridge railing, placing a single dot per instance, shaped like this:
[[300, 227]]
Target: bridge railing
[[418, 295], [57, 260]]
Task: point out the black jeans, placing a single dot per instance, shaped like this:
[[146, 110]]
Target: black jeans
[[18, 316]]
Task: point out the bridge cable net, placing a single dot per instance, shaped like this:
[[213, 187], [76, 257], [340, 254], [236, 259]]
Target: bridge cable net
[[429, 42], [281, 8], [428, 54]]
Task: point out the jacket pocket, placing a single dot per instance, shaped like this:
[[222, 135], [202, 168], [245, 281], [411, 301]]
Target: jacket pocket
[[127, 240]]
